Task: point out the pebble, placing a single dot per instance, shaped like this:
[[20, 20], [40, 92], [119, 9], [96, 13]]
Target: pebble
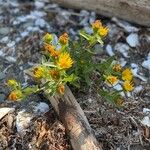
[[4, 111], [146, 121], [122, 48], [2, 75], [11, 44], [40, 22], [22, 121], [138, 89], [4, 30], [133, 39], [135, 72], [146, 110], [127, 27], [146, 63], [4, 39], [41, 108], [122, 62], [11, 59], [39, 4], [2, 97], [24, 34], [109, 50]]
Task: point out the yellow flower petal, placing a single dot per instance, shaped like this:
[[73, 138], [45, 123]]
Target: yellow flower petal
[[103, 31], [15, 95], [64, 61], [112, 79], [96, 25], [127, 75], [117, 67], [63, 39], [38, 72], [128, 86], [12, 83], [51, 50]]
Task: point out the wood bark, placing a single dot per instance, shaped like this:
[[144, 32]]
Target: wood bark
[[74, 120], [137, 11]]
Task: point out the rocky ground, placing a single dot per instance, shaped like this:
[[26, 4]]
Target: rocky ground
[[32, 124]]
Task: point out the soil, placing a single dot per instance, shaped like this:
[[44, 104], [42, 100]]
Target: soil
[[22, 25]]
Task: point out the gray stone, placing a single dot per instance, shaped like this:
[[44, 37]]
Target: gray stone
[[2, 97], [4, 30], [2, 75]]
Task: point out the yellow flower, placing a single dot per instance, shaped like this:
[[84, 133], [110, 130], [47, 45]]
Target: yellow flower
[[127, 75], [47, 37], [117, 67], [51, 50], [54, 74], [12, 83], [103, 31], [63, 39], [61, 89], [15, 95], [64, 60], [128, 86], [111, 79], [38, 72], [96, 25]]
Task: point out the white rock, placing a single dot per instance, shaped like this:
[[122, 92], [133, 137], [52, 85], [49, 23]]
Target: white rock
[[11, 59], [137, 89], [2, 54], [40, 22], [18, 39], [22, 121], [122, 62], [90, 100], [11, 44], [36, 14], [39, 4], [135, 73], [109, 50], [146, 110], [122, 48], [146, 121], [133, 65], [128, 27], [146, 64], [118, 87], [41, 108], [4, 111], [88, 30], [133, 40], [21, 19], [24, 34], [4, 39], [36, 29]]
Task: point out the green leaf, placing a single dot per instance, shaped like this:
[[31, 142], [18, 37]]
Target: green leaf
[[30, 90], [112, 97], [85, 35], [49, 64], [99, 40], [71, 78]]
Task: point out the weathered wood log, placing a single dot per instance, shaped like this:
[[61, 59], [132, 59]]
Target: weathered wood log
[[74, 120], [137, 11]]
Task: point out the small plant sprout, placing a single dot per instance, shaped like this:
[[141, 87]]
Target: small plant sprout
[[72, 61]]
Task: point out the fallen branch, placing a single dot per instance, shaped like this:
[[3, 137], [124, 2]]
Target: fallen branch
[[132, 10], [75, 121]]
